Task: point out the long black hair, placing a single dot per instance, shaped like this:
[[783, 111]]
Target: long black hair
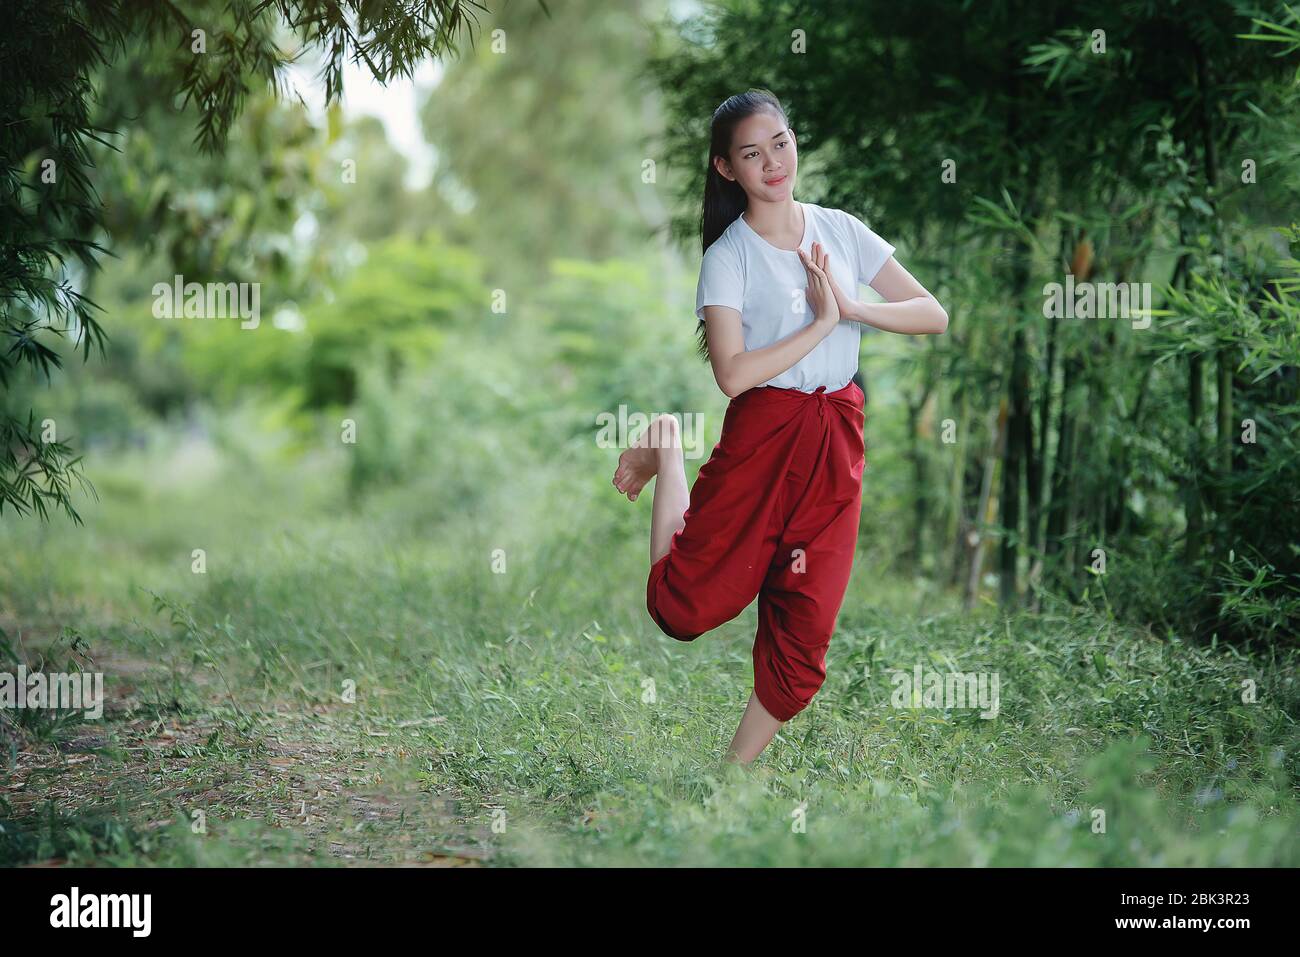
[[724, 199]]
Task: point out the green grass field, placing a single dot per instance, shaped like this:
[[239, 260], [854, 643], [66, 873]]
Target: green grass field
[[357, 684]]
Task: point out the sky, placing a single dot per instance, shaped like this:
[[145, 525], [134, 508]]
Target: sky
[[395, 105]]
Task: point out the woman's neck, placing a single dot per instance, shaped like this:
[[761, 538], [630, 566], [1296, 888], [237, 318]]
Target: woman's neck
[[779, 223]]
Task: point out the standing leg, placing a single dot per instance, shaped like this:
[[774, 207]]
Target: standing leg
[[811, 566], [757, 729]]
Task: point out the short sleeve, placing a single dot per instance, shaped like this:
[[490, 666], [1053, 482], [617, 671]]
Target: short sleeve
[[721, 282], [872, 251]]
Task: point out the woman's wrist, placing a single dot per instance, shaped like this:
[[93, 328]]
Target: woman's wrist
[[826, 323], [854, 310]]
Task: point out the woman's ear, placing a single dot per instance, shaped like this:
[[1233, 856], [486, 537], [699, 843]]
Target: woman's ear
[[723, 167]]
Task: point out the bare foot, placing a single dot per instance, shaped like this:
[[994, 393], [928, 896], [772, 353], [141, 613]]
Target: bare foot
[[640, 462]]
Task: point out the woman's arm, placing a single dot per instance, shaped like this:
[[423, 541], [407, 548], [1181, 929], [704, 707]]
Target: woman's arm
[[909, 309], [736, 369]]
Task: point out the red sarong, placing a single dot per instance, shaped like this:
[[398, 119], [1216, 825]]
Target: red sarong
[[774, 514]]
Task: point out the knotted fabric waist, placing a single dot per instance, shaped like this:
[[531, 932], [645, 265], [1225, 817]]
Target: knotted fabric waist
[[848, 397]]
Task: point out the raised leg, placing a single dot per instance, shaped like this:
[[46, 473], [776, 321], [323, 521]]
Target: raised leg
[[657, 454]]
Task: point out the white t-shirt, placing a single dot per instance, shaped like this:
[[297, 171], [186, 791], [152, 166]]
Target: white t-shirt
[[769, 287]]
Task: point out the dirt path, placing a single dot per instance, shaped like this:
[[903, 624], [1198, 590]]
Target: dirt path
[[336, 788]]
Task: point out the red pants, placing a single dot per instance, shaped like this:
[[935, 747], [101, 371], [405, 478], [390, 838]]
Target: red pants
[[773, 513]]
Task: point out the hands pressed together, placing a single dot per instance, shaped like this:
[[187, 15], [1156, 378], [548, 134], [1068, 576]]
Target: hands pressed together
[[824, 294]]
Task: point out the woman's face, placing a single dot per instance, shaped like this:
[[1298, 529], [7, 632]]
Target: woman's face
[[763, 159]]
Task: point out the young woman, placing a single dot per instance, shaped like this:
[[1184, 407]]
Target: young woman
[[774, 512]]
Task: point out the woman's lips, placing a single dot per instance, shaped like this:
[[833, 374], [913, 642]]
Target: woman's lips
[[775, 182]]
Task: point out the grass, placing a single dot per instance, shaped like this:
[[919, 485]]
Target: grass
[[355, 685]]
